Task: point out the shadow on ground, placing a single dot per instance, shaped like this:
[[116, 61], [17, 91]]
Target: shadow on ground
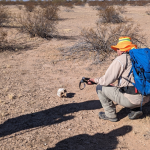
[[98, 141], [123, 113], [46, 117]]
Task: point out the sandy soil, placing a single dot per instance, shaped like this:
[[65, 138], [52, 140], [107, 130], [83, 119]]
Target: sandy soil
[[33, 117]]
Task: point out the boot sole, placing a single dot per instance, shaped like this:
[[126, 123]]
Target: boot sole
[[136, 115], [106, 118]]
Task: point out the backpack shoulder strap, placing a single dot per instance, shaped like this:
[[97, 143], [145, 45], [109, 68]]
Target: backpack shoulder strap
[[127, 54]]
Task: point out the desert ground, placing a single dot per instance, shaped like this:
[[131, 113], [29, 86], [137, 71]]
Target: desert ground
[[33, 117]]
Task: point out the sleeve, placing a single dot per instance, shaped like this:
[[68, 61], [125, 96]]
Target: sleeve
[[112, 74]]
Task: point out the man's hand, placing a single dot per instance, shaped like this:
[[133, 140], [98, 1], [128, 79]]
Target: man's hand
[[90, 82]]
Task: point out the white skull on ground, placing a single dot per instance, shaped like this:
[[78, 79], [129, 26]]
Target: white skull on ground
[[62, 92]]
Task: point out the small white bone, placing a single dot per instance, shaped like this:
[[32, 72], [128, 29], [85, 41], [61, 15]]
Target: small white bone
[[62, 92]]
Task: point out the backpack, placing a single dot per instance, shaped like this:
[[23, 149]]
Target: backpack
[[140, 59]]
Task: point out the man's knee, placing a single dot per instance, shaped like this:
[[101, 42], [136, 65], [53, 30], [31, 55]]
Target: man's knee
[[98, 87]]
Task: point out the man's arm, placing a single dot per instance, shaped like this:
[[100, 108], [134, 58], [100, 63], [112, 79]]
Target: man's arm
[[112, 74]]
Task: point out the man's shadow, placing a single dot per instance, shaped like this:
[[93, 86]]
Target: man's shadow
[[46, 117], [98, 141]]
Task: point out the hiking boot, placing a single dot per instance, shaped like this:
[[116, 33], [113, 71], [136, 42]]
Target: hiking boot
[[103, 116], [135, 114]]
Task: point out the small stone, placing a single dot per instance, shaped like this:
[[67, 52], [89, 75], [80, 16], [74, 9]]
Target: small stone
[[20, 95], [45, 144], [11, 96], [6, 89], [4, 114], [8, 66], [134, 132]]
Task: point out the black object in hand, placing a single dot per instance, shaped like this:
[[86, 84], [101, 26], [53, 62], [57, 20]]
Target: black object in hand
[[84, 80]]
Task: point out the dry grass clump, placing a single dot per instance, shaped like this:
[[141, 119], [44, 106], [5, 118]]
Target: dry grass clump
[[36, 24], [4, 15], [97, 44], [110, 15]]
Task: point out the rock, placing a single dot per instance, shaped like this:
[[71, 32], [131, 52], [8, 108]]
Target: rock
[[4, 114], [11, 96]]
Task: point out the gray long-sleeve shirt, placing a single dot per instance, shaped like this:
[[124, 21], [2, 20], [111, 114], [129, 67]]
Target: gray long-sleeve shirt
[[119, 70]]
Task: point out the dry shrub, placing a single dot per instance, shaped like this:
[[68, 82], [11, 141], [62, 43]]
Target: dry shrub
[[138, 3], [102, 5], [68, 5], [110, 15], [35, 24], [93, 3], [121, 9], [97, 44], [19, 7], [4, 15], [45, 4], [65, 3], [3, 39], [29, 6], [12, 42], [79, 3], [148, 11], [51, 12]]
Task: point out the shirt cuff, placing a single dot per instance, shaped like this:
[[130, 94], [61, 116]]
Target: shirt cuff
[[96, 80]]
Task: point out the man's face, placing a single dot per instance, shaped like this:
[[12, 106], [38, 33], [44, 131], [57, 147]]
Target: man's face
[[119, 52]]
